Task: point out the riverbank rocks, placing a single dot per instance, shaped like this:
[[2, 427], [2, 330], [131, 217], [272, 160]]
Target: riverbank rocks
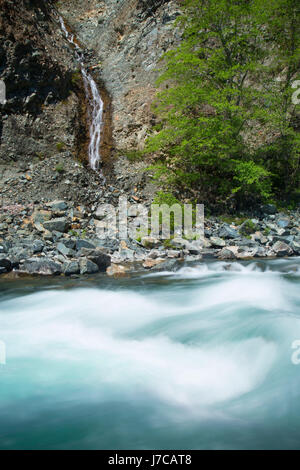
[[32, 247]]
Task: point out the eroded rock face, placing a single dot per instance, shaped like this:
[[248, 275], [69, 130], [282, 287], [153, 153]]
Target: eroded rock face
[[128, 39], [38, 68]]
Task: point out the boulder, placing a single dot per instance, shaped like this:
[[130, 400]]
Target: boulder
[[71, 268], [295, 245], [228, 232], [5, 265], [58, 225], [44, 267], [116, 270], [102, 260], [37, 246], [64, 250], [80, 243], [150, 263], [41, 216], [87, 266], [57, 205], [282, 249], [217, 242], [226, 253]]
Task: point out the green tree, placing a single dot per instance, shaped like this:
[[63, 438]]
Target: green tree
[[216, 96]]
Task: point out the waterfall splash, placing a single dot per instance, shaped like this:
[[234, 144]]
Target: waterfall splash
[[94, 100]]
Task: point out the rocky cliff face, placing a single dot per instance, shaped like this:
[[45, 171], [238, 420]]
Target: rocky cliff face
[[42, 113], [127, 38], [43, 125]]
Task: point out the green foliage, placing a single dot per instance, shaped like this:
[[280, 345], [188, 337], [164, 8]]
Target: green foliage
[[225, 118], [59, 168], [165, 198], [76, 78], [233, 220], [133, 155], [60, 146], [247, 228]]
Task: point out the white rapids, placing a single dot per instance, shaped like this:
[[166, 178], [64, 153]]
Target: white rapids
[[94, 100]]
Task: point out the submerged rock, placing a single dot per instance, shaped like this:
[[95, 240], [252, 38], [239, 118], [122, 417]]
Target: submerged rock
[[116, 270]]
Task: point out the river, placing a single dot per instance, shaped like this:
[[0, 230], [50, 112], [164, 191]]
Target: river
[[197, 359]]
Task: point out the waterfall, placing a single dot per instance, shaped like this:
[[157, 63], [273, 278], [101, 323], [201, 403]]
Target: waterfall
[[95, 103]]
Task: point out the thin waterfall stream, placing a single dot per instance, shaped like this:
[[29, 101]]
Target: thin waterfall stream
[[94, 100]]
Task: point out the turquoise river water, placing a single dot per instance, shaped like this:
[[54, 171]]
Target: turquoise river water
[[204, 358]]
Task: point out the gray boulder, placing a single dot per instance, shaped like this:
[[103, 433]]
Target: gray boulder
[[228, 232], [57, 205], [37, 246], [59, 225], [102, 260], [71, 268], [64, 250], [44, 267], [282, 249], [5, 265], [87, 266], [84, 244], [225, 253], [217, 242]]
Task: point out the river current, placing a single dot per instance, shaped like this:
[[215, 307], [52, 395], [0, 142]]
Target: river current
[[202, 358]]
